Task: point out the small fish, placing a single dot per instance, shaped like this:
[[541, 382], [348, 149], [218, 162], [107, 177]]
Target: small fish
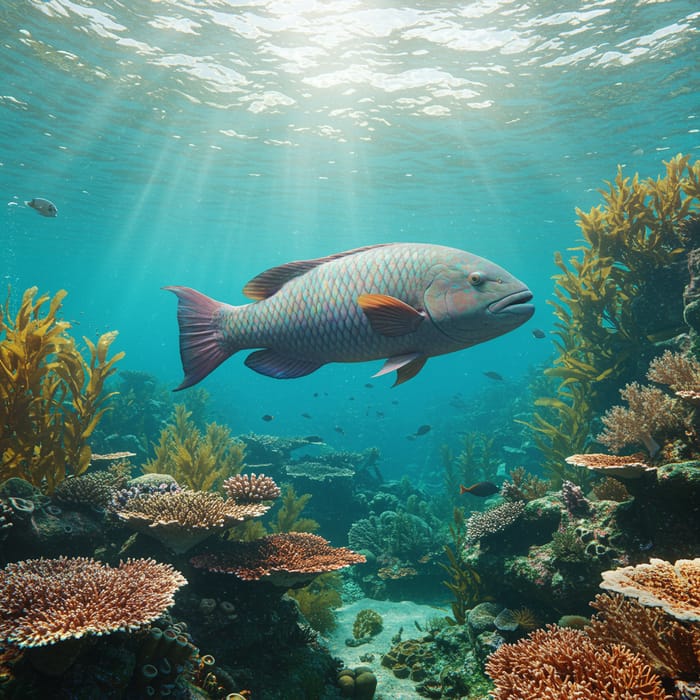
[[539, 333], [306, 415], [43, 206], [395, 402], [400, 302], [267, 417], [369, 385], [315, 439], [481, 488], [494, 375], [339, 430], [423, 429]]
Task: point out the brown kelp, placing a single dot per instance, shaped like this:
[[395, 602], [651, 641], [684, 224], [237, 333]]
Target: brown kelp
[[51, 397], [198, 460], [631, 261]]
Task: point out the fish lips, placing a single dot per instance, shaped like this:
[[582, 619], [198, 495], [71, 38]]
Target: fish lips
[[514, 304]]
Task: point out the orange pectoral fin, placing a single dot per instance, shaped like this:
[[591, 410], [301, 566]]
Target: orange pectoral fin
[[388, 315]]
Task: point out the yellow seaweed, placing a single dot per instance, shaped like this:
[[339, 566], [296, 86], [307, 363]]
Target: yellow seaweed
[[51, 397]]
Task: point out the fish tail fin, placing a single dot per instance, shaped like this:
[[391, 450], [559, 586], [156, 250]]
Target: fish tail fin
[[463, 489], [202, 345]]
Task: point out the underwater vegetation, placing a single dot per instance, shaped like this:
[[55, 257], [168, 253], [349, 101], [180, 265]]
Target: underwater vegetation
[[197, 460], [51, 397], [619, 294]]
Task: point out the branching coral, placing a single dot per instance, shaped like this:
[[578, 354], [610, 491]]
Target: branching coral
[[558, 664], [493, 520], [44, 601], [603, 320], [250, 488], [197, 461], [51, 398], [670, 647], [650, 412]]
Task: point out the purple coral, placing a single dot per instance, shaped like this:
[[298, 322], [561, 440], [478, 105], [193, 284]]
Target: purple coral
[[574, 500]]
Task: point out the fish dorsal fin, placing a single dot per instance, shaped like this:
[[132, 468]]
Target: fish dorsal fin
[[267, 283], [388, 315]]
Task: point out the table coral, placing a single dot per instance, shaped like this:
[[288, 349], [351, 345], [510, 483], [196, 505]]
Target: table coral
[[285, 559]]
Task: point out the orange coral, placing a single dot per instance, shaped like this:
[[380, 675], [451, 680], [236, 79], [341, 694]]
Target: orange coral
[[286, 559], [182, 519], [673, 587], [625, 467], [45, 601], [558, 664], [671, 648]]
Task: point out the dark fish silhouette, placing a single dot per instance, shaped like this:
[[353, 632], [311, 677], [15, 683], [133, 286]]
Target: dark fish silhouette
[[43, 206], [267, 417], [494, 375], [423, 429], [339, 430], [538, 333], [481, 488], [306, 415]]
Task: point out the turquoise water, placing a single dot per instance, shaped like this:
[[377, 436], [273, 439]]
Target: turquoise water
[[197, 144]]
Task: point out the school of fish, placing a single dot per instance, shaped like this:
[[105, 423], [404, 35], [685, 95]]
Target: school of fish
[[401, 302]]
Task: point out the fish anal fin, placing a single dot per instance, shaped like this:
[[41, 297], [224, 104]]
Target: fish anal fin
[[406, 366], [271, 281], [388, 315], [410, 370], [275, 364]]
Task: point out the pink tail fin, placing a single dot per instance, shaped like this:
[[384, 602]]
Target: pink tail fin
[[202, 346]]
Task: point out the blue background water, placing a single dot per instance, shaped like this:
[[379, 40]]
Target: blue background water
[[199, 143]]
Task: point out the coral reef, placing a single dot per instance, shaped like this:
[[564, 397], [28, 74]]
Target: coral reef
[[557, 663], [51, 398], [367, 623], [493, 520], [285, 560], [631, 262], [182, 519], [198, 461], [318, 600], [250, 488]]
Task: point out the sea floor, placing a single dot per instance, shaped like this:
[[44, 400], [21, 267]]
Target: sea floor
[[395, 616]]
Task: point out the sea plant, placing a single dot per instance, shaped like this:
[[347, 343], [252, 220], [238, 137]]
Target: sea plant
[[197, 460], [51, 397], [463, 581], [603, 297], [289, 514], [319, 599]]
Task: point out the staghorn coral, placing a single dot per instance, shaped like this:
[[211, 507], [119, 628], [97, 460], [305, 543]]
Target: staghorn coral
[[45, 601], [558, 664], [650, 411], [182, 519], [670, 647], [676, 371], [250, 488], [285, 559], [673, 587], [51, 398], [199, 461], [493, 520], [523, 486]]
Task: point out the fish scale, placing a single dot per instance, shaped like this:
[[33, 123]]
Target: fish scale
[[403, 302]]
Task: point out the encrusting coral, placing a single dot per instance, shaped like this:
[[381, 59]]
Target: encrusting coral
[[45, 601], [286, 559], [559, 663], [197, 461], [51, 398], [182, 519]]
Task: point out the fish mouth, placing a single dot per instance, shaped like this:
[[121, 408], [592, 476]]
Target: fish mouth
[[515, 303]]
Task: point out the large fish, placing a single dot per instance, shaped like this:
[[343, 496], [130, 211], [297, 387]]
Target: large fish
[[404, 302]]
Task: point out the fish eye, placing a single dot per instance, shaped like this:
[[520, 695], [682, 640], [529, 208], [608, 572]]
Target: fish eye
[[475, 278]]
